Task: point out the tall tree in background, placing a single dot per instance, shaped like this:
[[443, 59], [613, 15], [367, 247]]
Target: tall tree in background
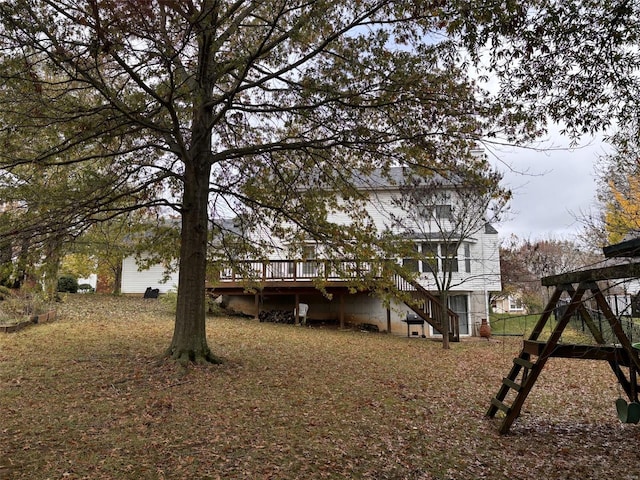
[[619, 198], [213, 107], [622, 215], [617, 215], [523, 263]]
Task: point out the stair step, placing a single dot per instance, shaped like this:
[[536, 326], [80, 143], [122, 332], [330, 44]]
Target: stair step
[[511, 384], [499, 405], [523, 362]]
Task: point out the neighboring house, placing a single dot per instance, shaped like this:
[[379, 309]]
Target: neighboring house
[[623, 297], [510, 304], [136, 280], [285, 283]]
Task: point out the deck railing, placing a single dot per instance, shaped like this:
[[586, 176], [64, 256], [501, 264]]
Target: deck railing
[[300, 270]]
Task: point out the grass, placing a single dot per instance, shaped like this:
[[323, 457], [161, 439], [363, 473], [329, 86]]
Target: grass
[[85, 397], [510, 324], [505, 324]]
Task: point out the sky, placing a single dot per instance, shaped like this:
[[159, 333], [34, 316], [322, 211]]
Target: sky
[[553, 186]]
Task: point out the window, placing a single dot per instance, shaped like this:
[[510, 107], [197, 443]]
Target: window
[[439, 257], [438, 212], [467, 258], [442, 211], [515, 304], [309, 265], [449, 254], [411, 264], [429, 257]]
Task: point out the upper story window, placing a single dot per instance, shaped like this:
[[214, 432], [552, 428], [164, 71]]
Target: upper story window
[[438, 212], [443, 211], [467, 258]]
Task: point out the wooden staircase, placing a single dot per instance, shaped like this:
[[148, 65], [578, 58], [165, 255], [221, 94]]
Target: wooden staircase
[[427, 306]]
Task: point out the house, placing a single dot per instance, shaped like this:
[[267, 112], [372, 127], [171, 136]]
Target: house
[[512, 303], [469, 259], [136, 280], [330, 288]]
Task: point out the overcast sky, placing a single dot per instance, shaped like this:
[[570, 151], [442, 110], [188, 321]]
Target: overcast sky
[[551, 187]]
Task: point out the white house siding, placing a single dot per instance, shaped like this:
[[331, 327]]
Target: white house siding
[[135, 280], [484, 251], [474, 286], [483, 278]]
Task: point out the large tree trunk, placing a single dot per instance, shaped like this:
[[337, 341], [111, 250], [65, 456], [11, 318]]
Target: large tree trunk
[[53, 258], [189, 342]]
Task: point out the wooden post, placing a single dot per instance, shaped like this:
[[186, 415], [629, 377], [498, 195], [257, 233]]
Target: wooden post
[[342, 310], [388, 320], [297, 310], [256, 302], [534, 369]]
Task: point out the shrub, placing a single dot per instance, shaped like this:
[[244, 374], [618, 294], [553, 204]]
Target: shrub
[[22, 303], [170, 299], [213, 307], [5, 292], [85, 288], [68, 284]]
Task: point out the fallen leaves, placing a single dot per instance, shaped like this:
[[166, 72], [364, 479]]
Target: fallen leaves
[[86, 398]]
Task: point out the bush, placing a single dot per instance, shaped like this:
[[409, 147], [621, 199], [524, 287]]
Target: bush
[[170, 299], [68, 284], [5, 292], [85, 288], [21, 303]]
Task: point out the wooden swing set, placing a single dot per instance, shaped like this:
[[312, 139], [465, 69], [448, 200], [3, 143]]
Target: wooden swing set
[[582, 288]]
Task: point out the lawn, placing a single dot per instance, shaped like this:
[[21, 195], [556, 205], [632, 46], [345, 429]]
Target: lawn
[[509, 324], [85, 397]]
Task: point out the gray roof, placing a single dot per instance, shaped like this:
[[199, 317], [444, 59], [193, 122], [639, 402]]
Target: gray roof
[[394, 177]]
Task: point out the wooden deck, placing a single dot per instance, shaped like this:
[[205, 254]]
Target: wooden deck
[[261, 278], [339, 278]]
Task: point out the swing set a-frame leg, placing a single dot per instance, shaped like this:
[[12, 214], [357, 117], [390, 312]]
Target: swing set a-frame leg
[[534, 368]]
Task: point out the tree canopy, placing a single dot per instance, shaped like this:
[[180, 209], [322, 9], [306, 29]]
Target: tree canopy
[[572, 62], [219, 107]]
